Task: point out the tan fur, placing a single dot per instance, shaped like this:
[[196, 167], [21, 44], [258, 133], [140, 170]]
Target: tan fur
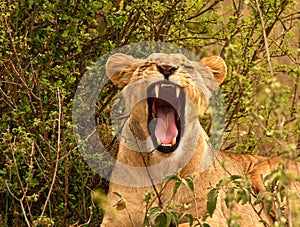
[[125, 70]]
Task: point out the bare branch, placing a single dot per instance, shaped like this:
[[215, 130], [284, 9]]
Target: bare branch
[[57, 154], [265, 37]]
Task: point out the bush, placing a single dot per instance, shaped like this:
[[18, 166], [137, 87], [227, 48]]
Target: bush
[[46, 47]]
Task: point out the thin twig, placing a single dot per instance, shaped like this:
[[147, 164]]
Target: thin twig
[[265, 37], [289, 214], [21, 78], [90, 218], [163, 21], [196, 206], [129, 215], [24, 190], [83, 141], [66, 165], [211, 7], [20, 201], [57, 155], [152, 182]]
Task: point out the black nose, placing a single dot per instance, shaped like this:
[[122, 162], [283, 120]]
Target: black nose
[[166, 69]]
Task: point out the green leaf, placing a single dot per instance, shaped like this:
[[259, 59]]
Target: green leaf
[[260, 196], [3, 171], [228, 180], [268, 204], [243, 195], [65, 34], [188, 182], [230, 198], [176, 186], [161, 221], [149, 196], [191, 218], [174, 176], [153, 212], [118, 194], [236, 177], [223, 182], [174, 217], [282, 193], [212, 197]]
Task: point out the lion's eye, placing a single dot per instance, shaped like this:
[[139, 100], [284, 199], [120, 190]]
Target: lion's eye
[[188, 67], [143, 67]]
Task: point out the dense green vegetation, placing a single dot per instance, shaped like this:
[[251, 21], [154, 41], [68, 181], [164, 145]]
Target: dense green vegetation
[[46, 47]]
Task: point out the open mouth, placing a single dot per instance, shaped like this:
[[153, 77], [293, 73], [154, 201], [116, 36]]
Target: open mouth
[[166, 106]]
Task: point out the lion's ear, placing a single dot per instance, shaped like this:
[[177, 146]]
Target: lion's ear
[[117, 68], [217, 66]]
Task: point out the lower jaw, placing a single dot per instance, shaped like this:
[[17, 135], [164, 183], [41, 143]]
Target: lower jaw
[[165, 149]]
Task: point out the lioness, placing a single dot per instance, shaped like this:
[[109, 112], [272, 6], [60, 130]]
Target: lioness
[[165, 94]]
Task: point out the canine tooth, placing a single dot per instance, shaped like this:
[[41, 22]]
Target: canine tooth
[[177, 92], [173, 141], [156, 90], [158, 141]]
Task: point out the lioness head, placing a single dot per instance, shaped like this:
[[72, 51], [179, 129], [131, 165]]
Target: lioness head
[[165, 93]]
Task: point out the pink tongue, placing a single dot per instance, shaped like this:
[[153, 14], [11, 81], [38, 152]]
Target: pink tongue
[[165, 128]]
